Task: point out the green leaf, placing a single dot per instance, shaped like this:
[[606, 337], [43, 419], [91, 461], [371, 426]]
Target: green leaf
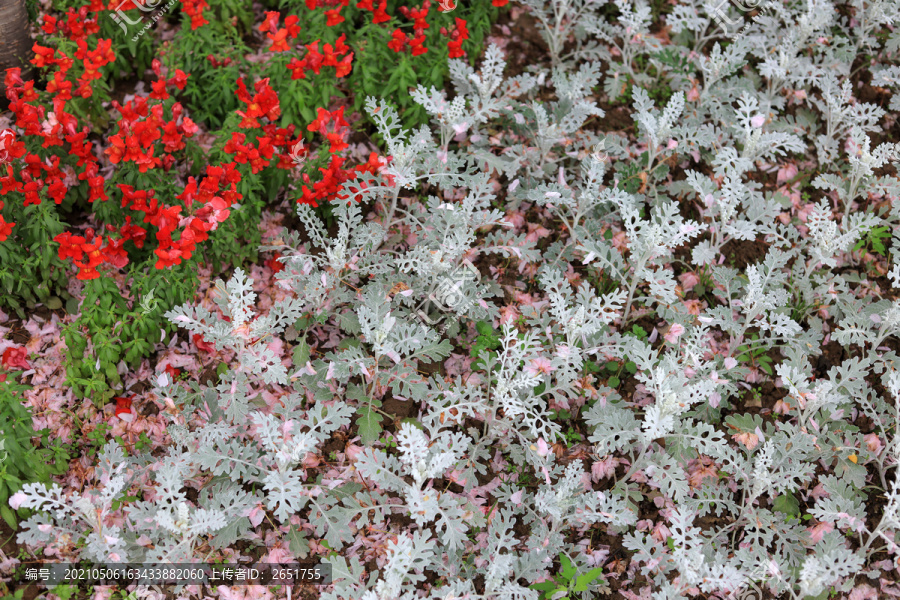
[[8, 516], [369, 423], [298, 544], [301, 353], [613, 382], [631, 367], [545, 586], [787, 504], [581, 583], [483, 328], [568, 570], [612, 366]]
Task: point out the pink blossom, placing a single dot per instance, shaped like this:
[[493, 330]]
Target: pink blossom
[[539, 365], [758, 121], [508, 314], [660, 532], [688, 280], [672, 145], [542, 449], [674, 333], [873, 443], [17, 499], [750, 440], [256, 515], [864, 591], [786, 173], [604, 468], [818, 531], [353, 451]]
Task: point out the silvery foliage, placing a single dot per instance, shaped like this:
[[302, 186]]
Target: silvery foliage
[[726, 485]]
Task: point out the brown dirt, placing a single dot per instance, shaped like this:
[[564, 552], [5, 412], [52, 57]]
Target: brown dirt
[[742, 253]]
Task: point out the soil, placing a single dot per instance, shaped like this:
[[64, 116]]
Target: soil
[[742, 253]]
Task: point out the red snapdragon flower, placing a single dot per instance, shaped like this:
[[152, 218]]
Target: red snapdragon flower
[[457, 37], [15, 358], [194, 9], [333, 126], [380, 14], [263, 104], [202, 344], [273, 263], [123, 409], [278, 36], [398, 41]]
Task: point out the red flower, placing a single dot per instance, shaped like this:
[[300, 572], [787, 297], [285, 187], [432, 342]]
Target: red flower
[[499, 3], [203, 344], [417, 45], [276, 265], [399, 41], [49, 25], [458, 36], [333, 16], [5, 228], [172, 371], [343, 68], [263, 104], [418, 16], [380, 15], [123, 409], [15, 357]]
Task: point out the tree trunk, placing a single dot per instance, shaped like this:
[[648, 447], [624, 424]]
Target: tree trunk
[[15, 43]]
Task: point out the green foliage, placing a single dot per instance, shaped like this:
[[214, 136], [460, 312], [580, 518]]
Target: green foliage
[[568, 581], [108, 331], [22, 460], [210, 91], [29, 271], [873, 240], [488, 339]]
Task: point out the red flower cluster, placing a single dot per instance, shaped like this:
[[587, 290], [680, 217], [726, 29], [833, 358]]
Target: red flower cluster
[[8, 148], [257, 155], [279, 36], [141, 125], [263, 104], [336, 130], [459, 34], [89, 252], [333, 126], [314, 60], [194, 9], [76, 27], [379, 13], [400, 40], [93, 60]]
